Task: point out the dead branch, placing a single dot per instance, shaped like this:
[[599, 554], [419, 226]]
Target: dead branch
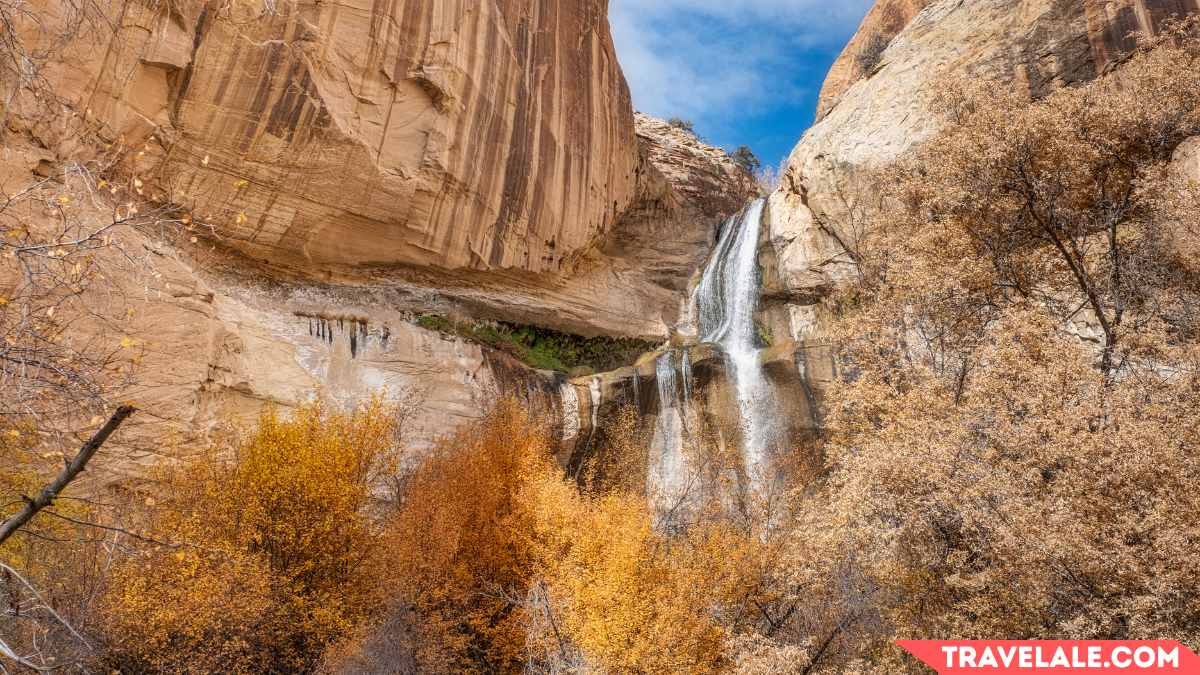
[[45, 605], [69, 473]]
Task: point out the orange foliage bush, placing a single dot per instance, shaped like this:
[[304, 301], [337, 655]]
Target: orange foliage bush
[[632, 598], [500, 564], [461, 546]]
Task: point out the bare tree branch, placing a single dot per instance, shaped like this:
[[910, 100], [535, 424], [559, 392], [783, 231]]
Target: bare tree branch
[[45, 605], [8, 653], [69, 473]]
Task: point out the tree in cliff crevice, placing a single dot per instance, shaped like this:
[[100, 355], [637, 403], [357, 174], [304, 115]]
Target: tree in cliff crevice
[[1053, 202], [871, 54], [682, 124], [744, 157]]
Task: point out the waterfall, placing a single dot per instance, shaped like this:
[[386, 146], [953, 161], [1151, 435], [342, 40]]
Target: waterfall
[[686, 368], [594, 396], [570, 412], [725, 302], [668, 479]]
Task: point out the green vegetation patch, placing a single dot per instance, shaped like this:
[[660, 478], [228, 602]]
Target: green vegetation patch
[[543, 348]]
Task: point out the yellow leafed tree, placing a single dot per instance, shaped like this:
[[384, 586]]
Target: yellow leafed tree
[[270, 551]]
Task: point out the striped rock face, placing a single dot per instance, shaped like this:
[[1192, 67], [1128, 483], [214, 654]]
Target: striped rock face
[[1109, 24], [360, 164], [486, 151], [445, 133]]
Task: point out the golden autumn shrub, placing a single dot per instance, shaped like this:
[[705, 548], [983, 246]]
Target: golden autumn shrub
[[267, 555], [199, 612], [498, 563], [627, 603], [633, 597]]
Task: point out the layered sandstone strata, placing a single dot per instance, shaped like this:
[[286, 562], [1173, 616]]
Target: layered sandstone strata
[[217, 336], [350, 166], [453, 134], [486, 151]]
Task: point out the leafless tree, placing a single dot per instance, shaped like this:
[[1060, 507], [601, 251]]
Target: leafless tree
[[68, 230]]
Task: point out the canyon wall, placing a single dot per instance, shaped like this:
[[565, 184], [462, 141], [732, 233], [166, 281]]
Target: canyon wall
[[1110, 26], [484, 149], [349, 168], [454, 134], [869, 117], [344, 169], [860, 57]]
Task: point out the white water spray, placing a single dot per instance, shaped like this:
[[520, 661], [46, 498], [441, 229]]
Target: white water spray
[[725, 303], [686, 368], [667, 464], [570, 412], [594, 393]]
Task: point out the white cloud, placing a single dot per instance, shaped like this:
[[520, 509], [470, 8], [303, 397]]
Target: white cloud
[[708, 60]]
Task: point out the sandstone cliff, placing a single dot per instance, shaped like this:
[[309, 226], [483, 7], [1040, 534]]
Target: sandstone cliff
[[481, 135], [632, 283], [862, 54], [1110, 25], [487, 150], [868, 119], [347, 168], [217, 336]]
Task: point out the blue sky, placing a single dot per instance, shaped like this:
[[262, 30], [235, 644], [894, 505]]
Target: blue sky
[[744, 71]]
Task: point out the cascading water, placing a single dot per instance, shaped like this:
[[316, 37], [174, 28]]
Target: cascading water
[[570, 412], [686, 367], [594, 396], [724, 305], [667, 467], [720, 311]]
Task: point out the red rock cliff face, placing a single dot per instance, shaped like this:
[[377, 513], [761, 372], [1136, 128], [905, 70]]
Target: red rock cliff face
[[360, 164], [493, 134]]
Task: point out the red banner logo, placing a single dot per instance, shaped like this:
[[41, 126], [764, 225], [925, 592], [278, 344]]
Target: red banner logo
[[949, 657]]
